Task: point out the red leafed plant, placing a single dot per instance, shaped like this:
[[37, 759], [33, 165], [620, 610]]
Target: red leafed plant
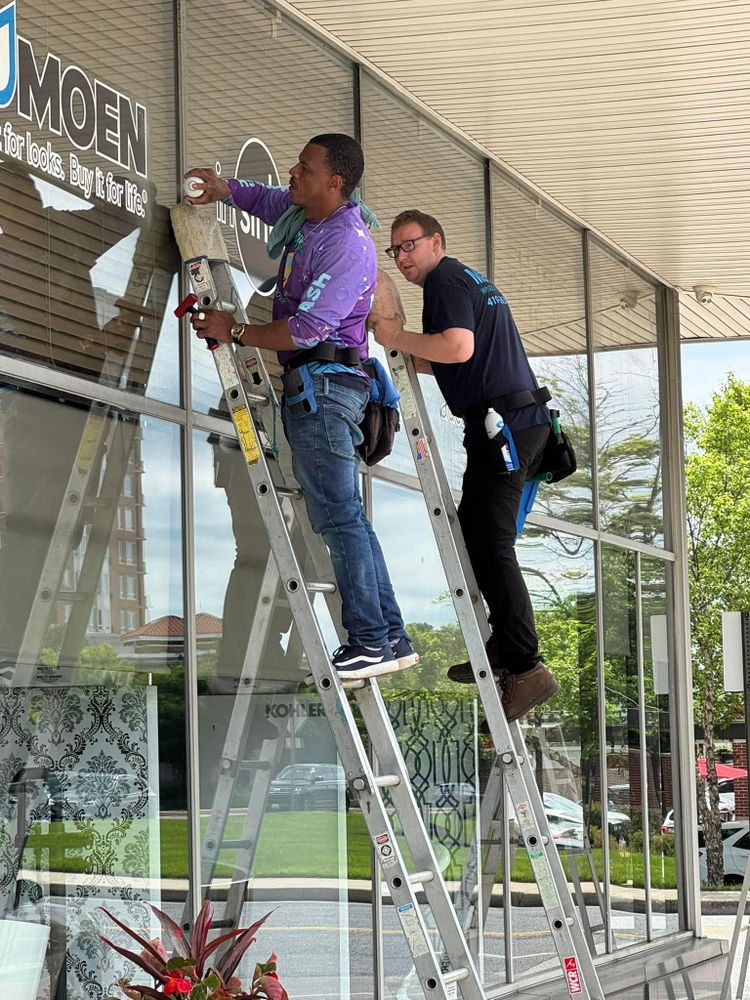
[[187, 974]]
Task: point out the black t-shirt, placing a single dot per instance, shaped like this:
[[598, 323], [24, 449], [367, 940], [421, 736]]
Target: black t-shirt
[[457, 296]]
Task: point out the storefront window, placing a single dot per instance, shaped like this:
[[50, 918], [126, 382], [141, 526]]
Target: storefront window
[[627, 400], [538, 266], [92, 711], [251, 115], [411, 164], [290, 816]]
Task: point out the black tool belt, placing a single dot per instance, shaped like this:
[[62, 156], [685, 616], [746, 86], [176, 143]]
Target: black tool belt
[[513, 401], [325, 351]]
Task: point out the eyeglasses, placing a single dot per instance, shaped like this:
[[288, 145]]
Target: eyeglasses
[[407, 246]]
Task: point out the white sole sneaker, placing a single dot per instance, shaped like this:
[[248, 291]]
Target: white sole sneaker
[[372, 670]]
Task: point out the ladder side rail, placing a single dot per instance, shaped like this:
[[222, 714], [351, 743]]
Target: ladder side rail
[[100, 532], [237, 733], [249, 836], [567, 933], [332, 694], [726, 985]]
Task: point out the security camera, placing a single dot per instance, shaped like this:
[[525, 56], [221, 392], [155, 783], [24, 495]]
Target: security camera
[[629, 300], [703, 295]]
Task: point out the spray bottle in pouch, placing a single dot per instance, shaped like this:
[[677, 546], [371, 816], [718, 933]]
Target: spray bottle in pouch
[[503, 446]]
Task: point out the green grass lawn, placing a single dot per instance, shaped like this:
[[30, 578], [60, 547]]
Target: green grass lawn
[[305, 845]]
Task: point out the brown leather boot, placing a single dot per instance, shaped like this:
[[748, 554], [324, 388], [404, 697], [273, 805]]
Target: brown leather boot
[[521, 692], [461, 673]]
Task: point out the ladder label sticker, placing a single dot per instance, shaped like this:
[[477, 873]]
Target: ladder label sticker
[[246, 435], [544, 880], [225, 366], [384, 848], [412, 931], [421, 449], [525, 816], [403, 385], [89, 445], [572, 975]]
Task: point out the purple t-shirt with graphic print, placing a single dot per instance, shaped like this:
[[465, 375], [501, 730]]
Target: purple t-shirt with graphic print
[[327, 273]]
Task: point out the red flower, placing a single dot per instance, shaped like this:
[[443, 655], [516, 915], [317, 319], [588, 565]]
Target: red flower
[[177, 984]]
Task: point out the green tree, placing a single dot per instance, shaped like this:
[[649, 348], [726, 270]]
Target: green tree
[[718, 529]]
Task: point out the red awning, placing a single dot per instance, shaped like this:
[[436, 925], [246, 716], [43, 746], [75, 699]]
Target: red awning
[[722, 770]]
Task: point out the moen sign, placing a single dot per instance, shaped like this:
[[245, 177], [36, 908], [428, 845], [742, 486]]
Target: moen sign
[[66, 101]]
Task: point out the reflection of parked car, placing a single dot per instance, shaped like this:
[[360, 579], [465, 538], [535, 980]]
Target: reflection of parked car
[[726, 813], [308, 786], [451, 795], [562, 810], [736, 837]]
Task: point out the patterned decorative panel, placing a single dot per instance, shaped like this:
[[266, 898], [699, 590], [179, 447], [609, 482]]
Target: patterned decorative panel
[[89, 756]]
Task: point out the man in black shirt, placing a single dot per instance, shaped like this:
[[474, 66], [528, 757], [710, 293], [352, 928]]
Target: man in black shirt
[[474, 350]]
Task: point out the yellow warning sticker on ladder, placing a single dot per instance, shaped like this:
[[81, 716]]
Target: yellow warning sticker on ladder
[[246, 435]]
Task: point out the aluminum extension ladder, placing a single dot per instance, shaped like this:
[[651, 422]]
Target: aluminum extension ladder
[[90, 500], [580, 975], [214, 288]]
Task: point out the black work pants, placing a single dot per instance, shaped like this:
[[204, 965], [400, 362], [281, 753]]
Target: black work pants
[[487, 513]]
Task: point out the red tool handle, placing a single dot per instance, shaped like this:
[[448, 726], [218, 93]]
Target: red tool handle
[[190, 305]]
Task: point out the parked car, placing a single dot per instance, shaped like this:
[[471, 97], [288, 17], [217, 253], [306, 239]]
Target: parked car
[[736, 837], [726, 813], [563, 810], [308, 786]]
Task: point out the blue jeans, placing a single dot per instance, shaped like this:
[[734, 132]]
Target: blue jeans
[[326, 465]]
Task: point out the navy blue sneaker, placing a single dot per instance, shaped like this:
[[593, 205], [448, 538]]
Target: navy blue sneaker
[[359, 662], [404, 652]]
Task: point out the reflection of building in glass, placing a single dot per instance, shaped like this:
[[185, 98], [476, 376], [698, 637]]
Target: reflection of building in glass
[[119, 602], [161, 642]]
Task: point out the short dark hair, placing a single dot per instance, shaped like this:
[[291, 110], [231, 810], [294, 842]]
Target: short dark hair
[[344, 156], [427, 223]]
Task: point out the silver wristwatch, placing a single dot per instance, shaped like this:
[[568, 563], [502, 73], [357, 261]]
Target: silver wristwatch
[[236, 332]]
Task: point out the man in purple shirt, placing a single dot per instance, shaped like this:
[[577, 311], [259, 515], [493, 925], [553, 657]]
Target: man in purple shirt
[[323, 294]]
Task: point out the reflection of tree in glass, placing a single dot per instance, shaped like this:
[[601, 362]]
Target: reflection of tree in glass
[[628, 449], [718, 527]]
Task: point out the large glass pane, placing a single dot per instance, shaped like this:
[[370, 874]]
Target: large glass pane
[[434, 719], [92, 737], [627, 399], [563, 738], [88, 164], [656, 622], [285, 795], [410, 164], [258, 61], [538, 266], [620, 623]]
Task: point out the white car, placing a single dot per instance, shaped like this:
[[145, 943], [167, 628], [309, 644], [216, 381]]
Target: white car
[[736, 837], [564, 813], [726, 812]]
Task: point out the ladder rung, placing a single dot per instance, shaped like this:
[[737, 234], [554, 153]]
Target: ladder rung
[[236, 845], [258, 398], [419, 878], [387, 780], [255, 765], [216, 924], [294, 492], [455, 976], [321, 588]]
